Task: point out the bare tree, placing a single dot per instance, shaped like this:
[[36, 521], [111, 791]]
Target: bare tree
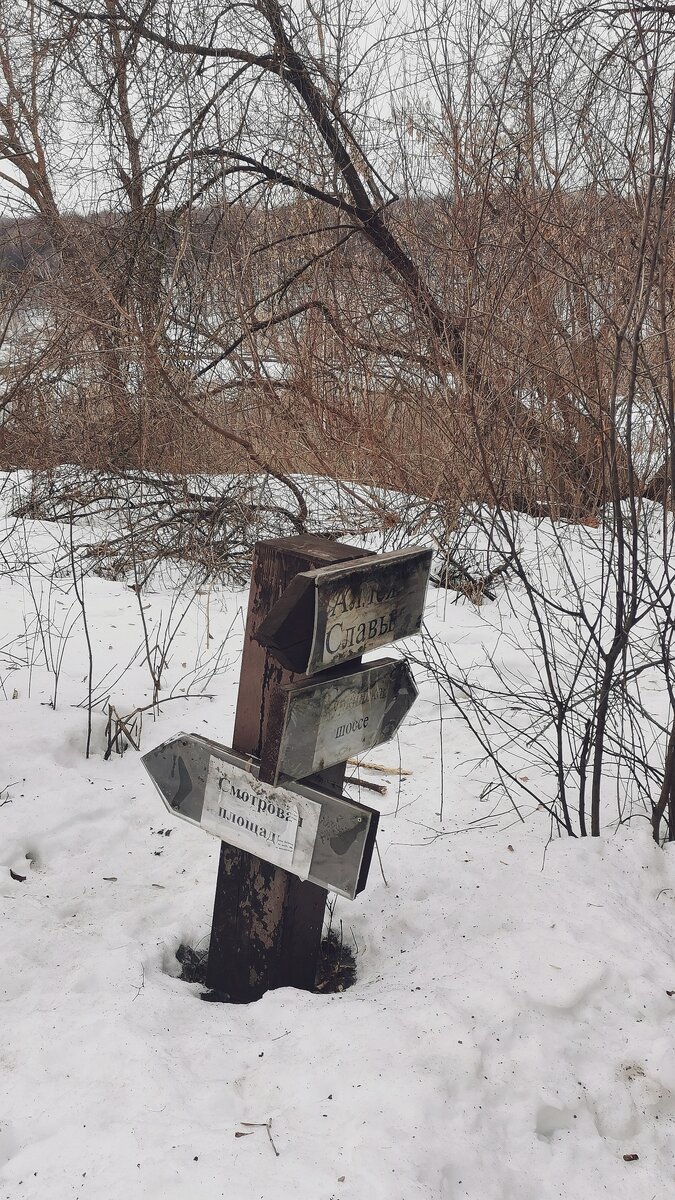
[[448, 270]]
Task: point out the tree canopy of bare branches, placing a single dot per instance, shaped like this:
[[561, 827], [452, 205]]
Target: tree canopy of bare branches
[[433, 249]]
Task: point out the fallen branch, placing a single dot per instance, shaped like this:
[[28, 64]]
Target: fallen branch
[[380, 788], [368, 766], [262, 1125]]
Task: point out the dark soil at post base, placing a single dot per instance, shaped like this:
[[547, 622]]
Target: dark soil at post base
[[336, 971]]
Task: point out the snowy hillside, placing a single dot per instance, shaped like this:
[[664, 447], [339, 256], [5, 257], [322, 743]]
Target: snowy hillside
[[510, 1032]]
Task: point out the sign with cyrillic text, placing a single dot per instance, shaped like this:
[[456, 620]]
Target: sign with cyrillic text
[[336, 613], [324, 721], [310, 833]]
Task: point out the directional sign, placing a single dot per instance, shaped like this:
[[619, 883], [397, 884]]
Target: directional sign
[[316, 724], [310, 833], [336, 613]]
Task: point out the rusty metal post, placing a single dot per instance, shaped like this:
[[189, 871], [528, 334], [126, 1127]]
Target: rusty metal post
[[266, 930]]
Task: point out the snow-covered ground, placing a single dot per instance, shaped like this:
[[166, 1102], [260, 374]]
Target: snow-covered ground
[[510, 1034]]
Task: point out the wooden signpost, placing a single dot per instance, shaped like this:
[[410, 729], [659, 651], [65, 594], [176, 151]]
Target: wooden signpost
[[314, 606]]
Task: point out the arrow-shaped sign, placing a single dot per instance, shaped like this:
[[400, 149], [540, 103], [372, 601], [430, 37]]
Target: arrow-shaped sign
[[324, 721], [336, 613], [310, 833]]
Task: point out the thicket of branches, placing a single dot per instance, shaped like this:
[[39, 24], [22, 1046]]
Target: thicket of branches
[[442, 260], [431, 250]]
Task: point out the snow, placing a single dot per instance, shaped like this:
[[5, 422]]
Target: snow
[[510, 1033]]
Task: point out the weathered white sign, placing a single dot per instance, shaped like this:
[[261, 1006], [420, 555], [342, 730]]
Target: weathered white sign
[[274, 824], [311, 833]]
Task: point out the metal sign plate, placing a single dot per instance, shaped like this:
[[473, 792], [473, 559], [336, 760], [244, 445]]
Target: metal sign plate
[[324, 721], [310, 833], [336, 613]]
